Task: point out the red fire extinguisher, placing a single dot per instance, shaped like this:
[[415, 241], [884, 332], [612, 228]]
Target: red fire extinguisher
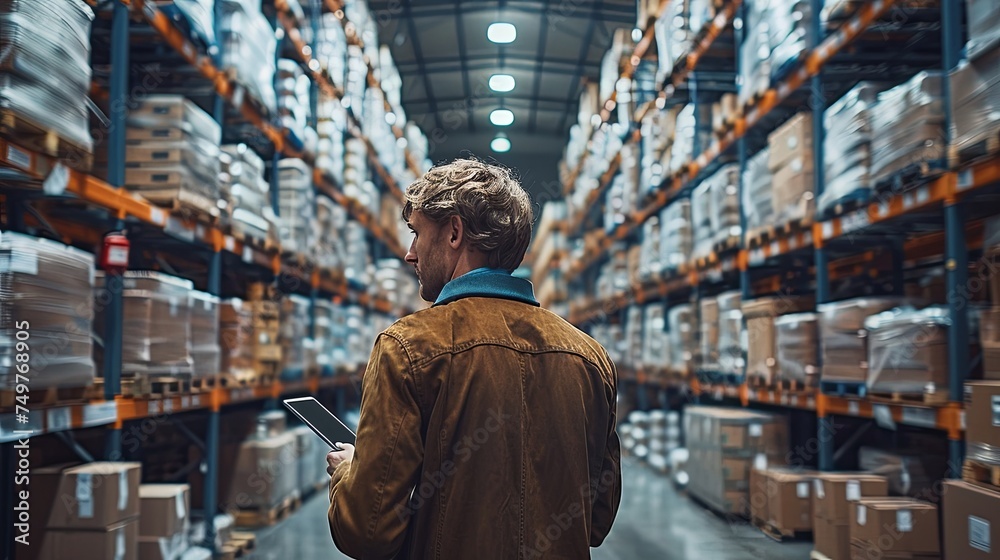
[[114, 254]]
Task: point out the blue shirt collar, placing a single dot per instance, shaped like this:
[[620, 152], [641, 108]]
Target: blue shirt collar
[[487, 282]]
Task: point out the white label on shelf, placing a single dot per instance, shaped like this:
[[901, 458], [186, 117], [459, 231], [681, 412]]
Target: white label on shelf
[[818, 488], [920, 417], [18, 157], [57, 419], [802, 490], [757, 256], [756, 430], [979, 533], [185, 402], [961, 418], [882, 210], [853, 408], [752, 394], [154, 407], [904, 521], [862, 515], [195, 401], [793, 243], [854, 26], [99, 414], [238, 96], [853, 493], [908, 201], [883, 416], [168, 405], [84, 496], [770, 396], [775, 248], [157, 216], [965, 179], [794, 400], [784, 399], [923, 194], [57, 181], [229, 243], [783, 92], [995, 407], [176, 228], [718, 394], [247, 254], [827, 230], [854, 221], [811, 402], [199, 231], [118, 256], [234, 395]]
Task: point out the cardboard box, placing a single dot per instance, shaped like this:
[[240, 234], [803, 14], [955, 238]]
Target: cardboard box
[[834, 493], [893, 525], [164, 509], [789, 504], [971, 516], [92, 496], [163, 548], [265, 473], [982, 415], [791, 139], [120, 541], [831, 539]]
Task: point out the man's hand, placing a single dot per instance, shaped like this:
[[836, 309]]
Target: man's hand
[[335, 458]]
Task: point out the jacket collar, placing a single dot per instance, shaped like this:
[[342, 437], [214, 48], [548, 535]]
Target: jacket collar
[[487, 282]]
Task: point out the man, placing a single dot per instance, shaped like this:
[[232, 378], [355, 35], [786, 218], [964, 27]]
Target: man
[[487, 425]]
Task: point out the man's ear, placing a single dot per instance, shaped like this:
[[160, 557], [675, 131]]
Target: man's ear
[[456, 232]]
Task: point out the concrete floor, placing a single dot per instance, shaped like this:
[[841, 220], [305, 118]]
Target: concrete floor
[[655, 522]]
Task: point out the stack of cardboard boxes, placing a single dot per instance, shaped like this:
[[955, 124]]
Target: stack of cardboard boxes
[[894, 528], [87, 511], [164, 521], [724, 445], [834, 495], [790, 160]]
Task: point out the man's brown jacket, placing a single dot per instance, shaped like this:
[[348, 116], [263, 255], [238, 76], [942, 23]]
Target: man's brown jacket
[[487, 431]]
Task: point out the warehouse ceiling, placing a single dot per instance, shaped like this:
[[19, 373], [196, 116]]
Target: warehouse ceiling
[[445, 59]]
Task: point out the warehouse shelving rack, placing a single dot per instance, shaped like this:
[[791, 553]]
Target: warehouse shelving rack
[[30, 175], [827, 247]]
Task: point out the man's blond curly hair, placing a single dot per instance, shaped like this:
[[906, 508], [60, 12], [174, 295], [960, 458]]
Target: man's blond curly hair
[[492, 204]]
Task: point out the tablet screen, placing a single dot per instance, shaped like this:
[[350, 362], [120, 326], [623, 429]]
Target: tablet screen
[[321, 420]]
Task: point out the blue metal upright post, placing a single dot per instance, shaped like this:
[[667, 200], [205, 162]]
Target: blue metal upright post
[[739, 34], [113, 281], [211, 456], [956, 254], [218, 103]]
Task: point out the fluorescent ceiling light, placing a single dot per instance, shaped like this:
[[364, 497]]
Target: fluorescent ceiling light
[[502, 117], [501, 33], [500, 144], [502, 82]]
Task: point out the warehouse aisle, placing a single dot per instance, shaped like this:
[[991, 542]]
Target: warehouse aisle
[[655, 523]]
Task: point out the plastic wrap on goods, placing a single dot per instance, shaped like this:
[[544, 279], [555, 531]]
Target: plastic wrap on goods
[[982, 452], [797, 344], [757, 192], [975, 99], [298, 352], [732, 335], [675, 235], [984, 26], [197, 15], [45, 291], [45, 69], [908, 125], [844, 343], [656, 342], [847, 145], [205, 350], [236, 342], [297, 216], [249, 47], [708, 315], [682, 150], [715, 210], [908, 350], [681, 333], [156, 323], [908, 474]]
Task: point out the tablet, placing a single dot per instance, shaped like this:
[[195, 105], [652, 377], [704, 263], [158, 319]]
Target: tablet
[[322, 421]]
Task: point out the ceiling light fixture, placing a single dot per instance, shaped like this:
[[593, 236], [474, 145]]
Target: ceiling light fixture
[[501, 33], [502, 117], [500, 144], [502, 83]]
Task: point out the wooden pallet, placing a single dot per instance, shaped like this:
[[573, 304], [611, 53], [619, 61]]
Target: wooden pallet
[[928, 399], [761, 236], [911, 176], [261, 517], [33, 136], [780, 535], [728, 244], [848, 203], [243, 542], [984, 146], [184, 203], [47, 397], [145, 385], [793, 385], [981, 473], [843, 388]]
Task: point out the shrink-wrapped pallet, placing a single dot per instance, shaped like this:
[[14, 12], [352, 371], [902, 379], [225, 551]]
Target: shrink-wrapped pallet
[[797, 344], [847, 146], [908, 351], [46, 303], [843, 338], [683, 338], [675, 235], [908, 126], [205, 351]]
